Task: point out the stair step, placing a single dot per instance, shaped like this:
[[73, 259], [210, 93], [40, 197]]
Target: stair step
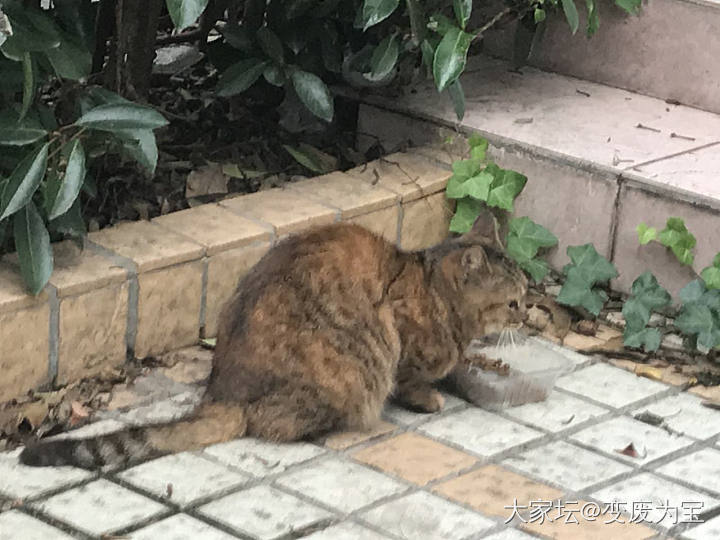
[[670, 50], [600, 160]]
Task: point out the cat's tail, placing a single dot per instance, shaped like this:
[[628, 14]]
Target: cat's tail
[[211, 423]]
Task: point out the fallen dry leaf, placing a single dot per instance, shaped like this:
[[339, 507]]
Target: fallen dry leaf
[[650, 372], [78, 413], [35, 413], [629, 450], [586, 327], [208, 180]]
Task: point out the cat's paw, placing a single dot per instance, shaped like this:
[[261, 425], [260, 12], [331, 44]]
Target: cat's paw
[[426, 400]]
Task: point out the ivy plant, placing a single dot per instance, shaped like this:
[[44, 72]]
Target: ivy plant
[[674, 236], [711, 274], [586, 271], [525, 238], [699, 317], [646, 296]]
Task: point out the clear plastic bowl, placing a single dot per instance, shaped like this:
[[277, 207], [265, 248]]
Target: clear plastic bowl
[[535, 364]]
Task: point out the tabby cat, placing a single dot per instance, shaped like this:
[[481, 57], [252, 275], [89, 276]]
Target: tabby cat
[[324, 329]]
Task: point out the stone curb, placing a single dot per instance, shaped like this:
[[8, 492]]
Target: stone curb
[[145, 288]]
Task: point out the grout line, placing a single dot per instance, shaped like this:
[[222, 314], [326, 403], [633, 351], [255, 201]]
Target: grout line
[[202, 320], [53, 333]]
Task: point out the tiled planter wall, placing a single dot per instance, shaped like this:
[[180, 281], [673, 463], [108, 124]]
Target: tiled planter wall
[[145, 288]]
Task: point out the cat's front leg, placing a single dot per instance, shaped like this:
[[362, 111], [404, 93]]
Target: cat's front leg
[[419, 395]]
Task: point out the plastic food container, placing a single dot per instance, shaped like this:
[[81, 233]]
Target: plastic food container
[[534, 366]]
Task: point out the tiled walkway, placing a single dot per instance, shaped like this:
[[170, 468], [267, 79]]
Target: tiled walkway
[[555, 467]]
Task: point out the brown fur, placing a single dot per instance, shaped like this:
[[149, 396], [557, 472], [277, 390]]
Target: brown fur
[[329, 325]]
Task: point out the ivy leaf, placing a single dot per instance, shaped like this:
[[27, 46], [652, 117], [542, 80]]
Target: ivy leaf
[[593, 267], [711, 274], [240, 76], [466, 212], [384, 58], [457, 95], [33, 248], [72, 182], [478, 147], [477, 187], [314, 94], [680, 241], [506, 186], [646, 338], [692, 292], [646, 234], [185, 12], [577, 291], [374, 11], [698, 320], [571, 14], [23, 182], [462, 9], [537, 268], [528, 237], [450, 57], [114, 116]]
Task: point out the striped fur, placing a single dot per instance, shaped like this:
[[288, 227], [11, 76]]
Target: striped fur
[[325, 328]]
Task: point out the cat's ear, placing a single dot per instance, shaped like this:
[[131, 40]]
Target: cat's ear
[[485, 231], [474, 259]]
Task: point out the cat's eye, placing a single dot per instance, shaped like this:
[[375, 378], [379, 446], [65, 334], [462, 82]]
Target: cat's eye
[[513, 305]]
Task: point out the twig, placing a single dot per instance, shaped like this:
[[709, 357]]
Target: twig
[[492, 22], [674, 135], [640, 126]]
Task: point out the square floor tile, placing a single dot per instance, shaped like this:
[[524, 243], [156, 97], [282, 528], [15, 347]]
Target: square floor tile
[[191, 478], [414, 458], [32, 529], [558, 412], [616, 434], [405, 417], [424, 516], [346, 439], [492, 490], [655, 493], [701, 468], [710, 530], [566, 465], [264, 512], [346, 531], [179, 527], [583, 520], [685, 414], [480, 431], [260, 458], [609, 385], [20, 482], [100, 507], [341, 484]]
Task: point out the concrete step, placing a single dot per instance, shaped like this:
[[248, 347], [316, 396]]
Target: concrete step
[[669, 51], [600, 160]]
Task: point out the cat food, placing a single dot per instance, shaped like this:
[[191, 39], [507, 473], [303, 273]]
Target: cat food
[[508, 374]]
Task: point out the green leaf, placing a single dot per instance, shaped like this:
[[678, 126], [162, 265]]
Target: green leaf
[[457, 95], [528, 237], [505, 187], [33, 248], [539, 15], [274, 75], [314, 94], [312, 158], [631, 6], [646, 338], [479, 142], [240, 76], [417, 22], [115, 116], [384, 58], [593, 20], [23, 182], [594, 267], [270, 44], [462, 9], [571, 14], [185, 12], [646, 234], [238, 37], [577, 291], [711, 277], [680, 241], [692, 292], [466, 212], [537, 268], [69, 60], [20, 136], [441, 24], [450, 57], [28, 84], [696, 319], [374, 11], [5, 27], [141, 146], [72, 181], [70, 223], [477, 187], [648, 291]]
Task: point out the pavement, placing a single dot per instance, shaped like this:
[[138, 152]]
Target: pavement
[[577, 466]]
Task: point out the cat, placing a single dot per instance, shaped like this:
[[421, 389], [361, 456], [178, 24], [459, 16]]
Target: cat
[[326, 327]]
